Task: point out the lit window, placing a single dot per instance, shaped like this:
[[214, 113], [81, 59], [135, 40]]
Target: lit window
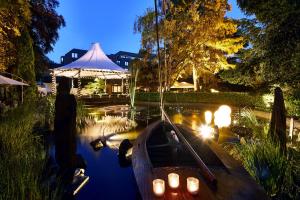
[[116, 88], [118, 61], [62, 59], [74, 55], [126, 63]]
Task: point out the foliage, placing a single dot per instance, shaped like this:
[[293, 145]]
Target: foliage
[[14, 16], [28, 30], [273, 34], [109, 125], [270, 168], [196, 36], [278, 173], [25, 58], [230, 98], [96, 87], [44, 26], [82, 116], [247, 118], [22, 155]]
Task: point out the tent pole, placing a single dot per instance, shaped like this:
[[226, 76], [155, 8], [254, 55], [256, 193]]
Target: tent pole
[[122, 86], [127, 85], [105, 85], [79, 85], [53, 85], [72, 83]]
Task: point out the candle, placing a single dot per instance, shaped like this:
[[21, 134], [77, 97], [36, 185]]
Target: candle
[[192, 185], [158, 187], [173, 180]]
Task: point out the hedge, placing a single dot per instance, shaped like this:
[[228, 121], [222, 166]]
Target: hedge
[[230, 98]]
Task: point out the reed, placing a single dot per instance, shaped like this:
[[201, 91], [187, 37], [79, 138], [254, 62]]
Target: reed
[[22, 156]]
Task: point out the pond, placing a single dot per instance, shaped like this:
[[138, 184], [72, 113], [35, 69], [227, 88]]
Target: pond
[[110, 178]]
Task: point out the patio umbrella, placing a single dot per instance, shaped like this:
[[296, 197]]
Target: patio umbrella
[[11, 82], [8, 81]]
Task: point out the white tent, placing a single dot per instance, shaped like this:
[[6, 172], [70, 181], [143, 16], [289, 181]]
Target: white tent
[[182, 85], [11, 82], [92, 64], [7, 81]]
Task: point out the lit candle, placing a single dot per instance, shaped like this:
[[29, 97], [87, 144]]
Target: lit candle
[[158, 187], [192, 185], [208, 117], [173, 180]]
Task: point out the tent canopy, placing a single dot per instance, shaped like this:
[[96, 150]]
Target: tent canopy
[[92, 64], [182, 85], [8, 81]]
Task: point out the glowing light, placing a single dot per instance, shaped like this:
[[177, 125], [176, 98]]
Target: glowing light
[[213, 91], [208, 117], [192, 185], [223, 116], [173, 180], [158, 187], [206, 131]]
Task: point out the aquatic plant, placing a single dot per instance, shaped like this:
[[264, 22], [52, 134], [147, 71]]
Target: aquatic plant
[[115, 124], [248, 119], [265, 162], [82, 118]]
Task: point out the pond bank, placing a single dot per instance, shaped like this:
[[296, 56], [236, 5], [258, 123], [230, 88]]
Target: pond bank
[[258, 113]]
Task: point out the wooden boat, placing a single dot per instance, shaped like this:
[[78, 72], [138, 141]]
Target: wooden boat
[[156, 154]]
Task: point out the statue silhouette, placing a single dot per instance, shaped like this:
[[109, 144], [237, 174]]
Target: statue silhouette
[[65, 130]]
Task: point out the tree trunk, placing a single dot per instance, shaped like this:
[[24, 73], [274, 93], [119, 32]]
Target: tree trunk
[[195, 79]]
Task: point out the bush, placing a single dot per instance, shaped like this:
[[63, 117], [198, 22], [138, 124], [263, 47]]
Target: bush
[[231, 98]]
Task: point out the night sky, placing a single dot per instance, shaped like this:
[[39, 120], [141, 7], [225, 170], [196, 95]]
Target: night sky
[[109, 22]]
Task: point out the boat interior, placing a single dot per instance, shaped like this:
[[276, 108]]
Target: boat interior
[[166, 150]]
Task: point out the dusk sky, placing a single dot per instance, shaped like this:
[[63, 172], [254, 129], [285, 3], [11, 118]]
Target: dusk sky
[[108, 22]]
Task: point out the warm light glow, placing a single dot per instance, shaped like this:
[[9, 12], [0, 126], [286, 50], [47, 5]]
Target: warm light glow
[[173, 180], [192, 185], [208, 117], [223, 116], [158, 187], [213, 91], [206, 131]]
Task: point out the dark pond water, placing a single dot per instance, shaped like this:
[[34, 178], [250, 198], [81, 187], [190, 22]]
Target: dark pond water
[[108, 179]]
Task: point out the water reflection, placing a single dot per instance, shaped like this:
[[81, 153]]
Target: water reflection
[[112, 176]]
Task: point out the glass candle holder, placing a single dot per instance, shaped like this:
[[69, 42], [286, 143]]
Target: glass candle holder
[[173, 180], [192, 185], [158, 187]]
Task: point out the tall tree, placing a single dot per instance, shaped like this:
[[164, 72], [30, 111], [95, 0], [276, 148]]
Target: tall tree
[[197, 37], [276, 39], [44, 27], [14, 17], [28, 31]]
